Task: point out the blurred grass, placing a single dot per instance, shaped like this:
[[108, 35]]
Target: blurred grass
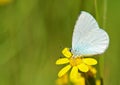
[[33, 33]]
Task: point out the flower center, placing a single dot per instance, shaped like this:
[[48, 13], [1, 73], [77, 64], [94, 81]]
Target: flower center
[[75, 61]]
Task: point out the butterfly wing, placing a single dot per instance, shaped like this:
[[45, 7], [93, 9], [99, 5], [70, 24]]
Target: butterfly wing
[[88, 38]]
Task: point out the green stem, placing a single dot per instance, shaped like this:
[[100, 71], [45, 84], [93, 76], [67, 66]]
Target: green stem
[[96, 10], [104, 12], [99, 61], [104, 26], [101, 58]]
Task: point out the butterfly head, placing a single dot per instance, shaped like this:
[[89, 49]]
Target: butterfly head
[[76, 53]]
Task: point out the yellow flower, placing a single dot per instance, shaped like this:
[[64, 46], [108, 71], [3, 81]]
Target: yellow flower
[[76, 63]]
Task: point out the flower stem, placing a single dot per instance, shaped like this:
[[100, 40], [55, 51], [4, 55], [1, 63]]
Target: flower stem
[[96, 10], [104, 13], [100, 69]]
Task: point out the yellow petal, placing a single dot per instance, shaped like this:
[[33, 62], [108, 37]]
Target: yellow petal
[[98, 82], [76, 77], [62, 80], [74, 73], [80, 81], [64, 70], [90, 61], [62, 61], [66, 52], [82, 67], [93, 70]]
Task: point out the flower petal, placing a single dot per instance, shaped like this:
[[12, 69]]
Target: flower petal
[[66, 52], [62, 80], [76, 77], [64, 70], [82, 67], [62, 61], [93, 70], [90, 61], [80, 81], [98, 82], [74, 73]]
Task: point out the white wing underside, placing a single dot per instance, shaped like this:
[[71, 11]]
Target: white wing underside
[[88, 38]]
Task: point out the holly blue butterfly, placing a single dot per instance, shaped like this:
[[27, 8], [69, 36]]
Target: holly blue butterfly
[[88, 39]]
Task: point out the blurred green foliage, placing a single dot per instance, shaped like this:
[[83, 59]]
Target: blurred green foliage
[[33, 33]]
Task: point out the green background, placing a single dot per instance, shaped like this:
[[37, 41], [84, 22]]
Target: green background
[[33, 33]]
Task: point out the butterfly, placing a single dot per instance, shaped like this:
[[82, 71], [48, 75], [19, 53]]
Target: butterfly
[[88, 38]]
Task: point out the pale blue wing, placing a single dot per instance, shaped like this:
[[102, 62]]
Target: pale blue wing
[[87, 38]]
